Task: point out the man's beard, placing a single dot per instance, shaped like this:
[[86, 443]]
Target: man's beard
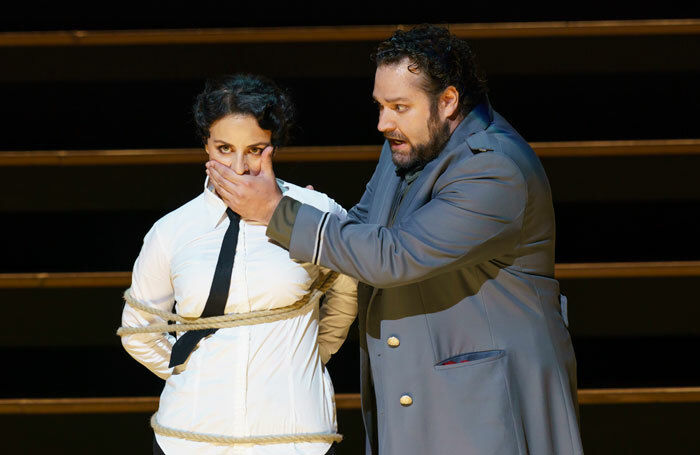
[[422, 154]]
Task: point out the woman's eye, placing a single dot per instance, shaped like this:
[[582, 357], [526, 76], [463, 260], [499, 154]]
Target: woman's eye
[[256, 151], [225, 149]]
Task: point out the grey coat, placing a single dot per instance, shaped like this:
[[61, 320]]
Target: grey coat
[[465, 273]]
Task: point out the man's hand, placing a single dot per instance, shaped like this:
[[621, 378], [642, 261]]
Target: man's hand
[[254, 198]]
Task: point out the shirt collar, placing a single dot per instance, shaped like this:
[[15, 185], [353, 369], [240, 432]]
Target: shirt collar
[[216, 207]]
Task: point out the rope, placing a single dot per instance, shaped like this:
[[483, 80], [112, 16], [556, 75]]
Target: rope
[[231, 440], [322, 283]]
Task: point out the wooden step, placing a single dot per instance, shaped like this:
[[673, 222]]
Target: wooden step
[[672, 269], [513, 30], [343, 401], [573, 149]]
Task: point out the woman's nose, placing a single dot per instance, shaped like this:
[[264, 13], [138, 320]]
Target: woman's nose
[[239, 164]]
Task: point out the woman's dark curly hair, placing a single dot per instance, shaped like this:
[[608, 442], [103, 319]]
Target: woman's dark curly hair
[[443, 58], [245, 94]]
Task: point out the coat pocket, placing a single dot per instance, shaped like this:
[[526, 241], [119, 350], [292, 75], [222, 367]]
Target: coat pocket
[[476, 403], [470, 358]]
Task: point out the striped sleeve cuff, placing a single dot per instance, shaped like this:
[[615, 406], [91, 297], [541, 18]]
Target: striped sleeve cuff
[[308, 234], [282, 222]]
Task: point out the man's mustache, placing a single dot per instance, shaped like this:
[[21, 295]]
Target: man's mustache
[[396, 137]]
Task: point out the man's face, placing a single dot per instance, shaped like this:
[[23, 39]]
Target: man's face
[[408, 117]]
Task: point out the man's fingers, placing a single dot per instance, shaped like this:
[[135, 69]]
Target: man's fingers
[[227, 194], [266, 162], [218, 181], [223, 172], [309, 187]]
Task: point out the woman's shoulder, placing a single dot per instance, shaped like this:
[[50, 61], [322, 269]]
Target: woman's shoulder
[[313, 198], [181, 219]]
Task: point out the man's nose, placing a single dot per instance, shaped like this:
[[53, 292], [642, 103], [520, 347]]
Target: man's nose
[[386, 121], [239, 164]]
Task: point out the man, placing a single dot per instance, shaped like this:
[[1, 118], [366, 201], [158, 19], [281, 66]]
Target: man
[[464, 347]]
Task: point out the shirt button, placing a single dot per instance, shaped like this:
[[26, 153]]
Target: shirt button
[[406, 400], [393, 342]]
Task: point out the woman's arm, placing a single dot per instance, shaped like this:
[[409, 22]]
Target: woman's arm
[[337, 313], [150, 285]]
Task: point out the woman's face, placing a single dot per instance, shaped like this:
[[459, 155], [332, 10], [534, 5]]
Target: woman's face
[[237, 141]]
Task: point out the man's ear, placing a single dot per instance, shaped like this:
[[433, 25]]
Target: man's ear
[[449, 102]]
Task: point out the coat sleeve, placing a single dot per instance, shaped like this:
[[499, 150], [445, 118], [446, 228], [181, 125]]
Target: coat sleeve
[[150, 285], [475, 214]]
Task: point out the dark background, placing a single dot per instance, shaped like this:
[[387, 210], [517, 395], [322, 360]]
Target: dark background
[[60, 342]]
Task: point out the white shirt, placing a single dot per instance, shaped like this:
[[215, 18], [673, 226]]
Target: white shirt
[[259, 380]]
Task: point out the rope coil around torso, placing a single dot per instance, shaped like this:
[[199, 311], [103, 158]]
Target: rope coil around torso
[[322, 283], [232, 440], [318, 288]]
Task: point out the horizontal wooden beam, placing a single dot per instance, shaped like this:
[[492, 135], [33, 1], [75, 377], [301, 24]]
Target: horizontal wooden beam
[[578, 149], [673, 269], [640, 395], [345, 33], [345, 401], [178, 156], [78, 405], [670, 269], [65, 280], [581, 149]]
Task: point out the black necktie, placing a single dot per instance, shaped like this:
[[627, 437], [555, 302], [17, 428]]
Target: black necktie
[[218, 294]]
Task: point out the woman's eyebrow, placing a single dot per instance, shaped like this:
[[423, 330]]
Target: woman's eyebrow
[[259, 144]]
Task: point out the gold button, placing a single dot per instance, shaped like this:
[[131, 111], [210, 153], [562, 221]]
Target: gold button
[[406, 400], [393, 342]]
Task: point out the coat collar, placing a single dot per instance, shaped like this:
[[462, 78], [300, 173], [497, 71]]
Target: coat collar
[[477, 120]]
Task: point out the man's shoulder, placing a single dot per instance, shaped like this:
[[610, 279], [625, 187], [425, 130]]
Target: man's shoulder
[[499, 144]]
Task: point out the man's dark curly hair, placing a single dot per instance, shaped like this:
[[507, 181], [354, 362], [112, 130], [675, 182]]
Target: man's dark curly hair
[[245, 94], [443, 58]]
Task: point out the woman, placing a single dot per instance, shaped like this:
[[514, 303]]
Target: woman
[[253, 380]]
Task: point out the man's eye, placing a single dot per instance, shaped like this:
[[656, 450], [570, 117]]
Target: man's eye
[[400, 107]]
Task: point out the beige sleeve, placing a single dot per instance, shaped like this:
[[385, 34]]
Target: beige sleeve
[[336, 315]]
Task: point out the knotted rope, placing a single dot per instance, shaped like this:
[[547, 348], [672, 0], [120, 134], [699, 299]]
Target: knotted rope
[[322, 283]]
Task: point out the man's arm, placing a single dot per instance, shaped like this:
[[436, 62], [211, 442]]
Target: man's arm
[[475, 215], [283, 218]]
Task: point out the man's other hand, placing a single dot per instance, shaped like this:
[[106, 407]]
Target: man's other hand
[[253, 197]]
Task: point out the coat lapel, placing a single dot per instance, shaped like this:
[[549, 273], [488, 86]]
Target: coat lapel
[[385, 191]]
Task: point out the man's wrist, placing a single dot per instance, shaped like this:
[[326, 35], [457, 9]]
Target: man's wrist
[[272, 207], [281, 223]]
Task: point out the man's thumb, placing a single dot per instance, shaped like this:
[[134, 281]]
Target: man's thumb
[[266, 164]]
